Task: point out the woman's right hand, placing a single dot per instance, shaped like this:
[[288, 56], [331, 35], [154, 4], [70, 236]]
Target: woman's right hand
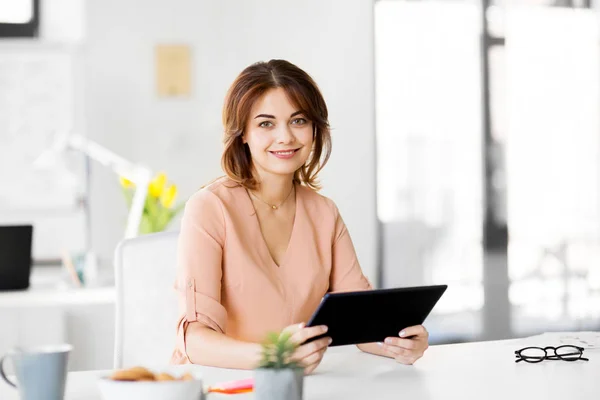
[[309, 355]]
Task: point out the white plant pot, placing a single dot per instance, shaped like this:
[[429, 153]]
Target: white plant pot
[[278, 384]]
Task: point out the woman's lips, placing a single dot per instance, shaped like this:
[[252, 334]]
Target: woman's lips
[[284, 154]]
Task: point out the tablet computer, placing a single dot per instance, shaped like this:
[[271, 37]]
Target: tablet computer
[[372, 315]]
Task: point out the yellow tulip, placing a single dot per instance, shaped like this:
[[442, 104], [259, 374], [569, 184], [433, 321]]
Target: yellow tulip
[[157, 184], [126, 183], [167, 197]]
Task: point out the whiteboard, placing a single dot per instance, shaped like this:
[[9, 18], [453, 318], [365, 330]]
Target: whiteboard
[[38, 99]]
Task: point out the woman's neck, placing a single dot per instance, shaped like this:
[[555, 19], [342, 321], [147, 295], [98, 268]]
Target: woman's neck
[[274, 189]]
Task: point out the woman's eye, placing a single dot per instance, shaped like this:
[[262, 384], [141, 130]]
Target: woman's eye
[[299, 121], [266, 124]]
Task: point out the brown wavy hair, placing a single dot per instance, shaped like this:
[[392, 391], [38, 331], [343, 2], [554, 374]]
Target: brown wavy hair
[[249, 86]]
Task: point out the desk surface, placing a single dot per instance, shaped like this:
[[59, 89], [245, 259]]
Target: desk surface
[[48, 288], [45, 297], [463, 371]]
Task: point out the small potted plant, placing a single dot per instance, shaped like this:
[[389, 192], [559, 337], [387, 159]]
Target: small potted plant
[[277, 376]]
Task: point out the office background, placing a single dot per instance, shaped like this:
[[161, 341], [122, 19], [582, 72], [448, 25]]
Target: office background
[[465, 142]]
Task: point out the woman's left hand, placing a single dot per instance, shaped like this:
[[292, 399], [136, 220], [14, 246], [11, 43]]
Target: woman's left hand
[[409, 346]]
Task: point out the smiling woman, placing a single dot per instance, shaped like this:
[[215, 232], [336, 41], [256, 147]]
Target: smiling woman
[[260, 247], [280, 143], [293, 100]]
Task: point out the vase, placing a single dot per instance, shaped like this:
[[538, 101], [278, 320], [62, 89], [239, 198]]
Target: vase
[[278, 384]]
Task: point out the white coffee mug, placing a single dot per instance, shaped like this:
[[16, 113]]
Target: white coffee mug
[[41, 372]]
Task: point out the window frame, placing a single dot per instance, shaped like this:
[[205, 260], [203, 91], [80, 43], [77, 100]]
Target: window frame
[[28, 29]]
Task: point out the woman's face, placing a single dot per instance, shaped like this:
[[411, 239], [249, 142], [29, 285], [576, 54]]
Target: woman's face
[[279, 136]]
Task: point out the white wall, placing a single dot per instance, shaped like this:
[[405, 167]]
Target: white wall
[[38, 99], [331, 39]]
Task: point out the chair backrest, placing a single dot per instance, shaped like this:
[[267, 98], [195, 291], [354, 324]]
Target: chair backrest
[[146, 314]]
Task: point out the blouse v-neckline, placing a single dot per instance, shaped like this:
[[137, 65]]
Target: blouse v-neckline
[[264, 246]]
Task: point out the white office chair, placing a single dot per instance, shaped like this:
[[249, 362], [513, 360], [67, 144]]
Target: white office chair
[[147, 308]]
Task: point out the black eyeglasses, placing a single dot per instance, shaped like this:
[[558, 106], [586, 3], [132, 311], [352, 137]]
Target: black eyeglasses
[[539, 354]]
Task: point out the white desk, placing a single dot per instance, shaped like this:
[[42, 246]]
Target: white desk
[[50, 312], [465, 371], [47, 289], [49, 296]]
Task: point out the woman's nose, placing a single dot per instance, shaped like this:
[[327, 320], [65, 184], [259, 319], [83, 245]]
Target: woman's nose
[[285, 135]]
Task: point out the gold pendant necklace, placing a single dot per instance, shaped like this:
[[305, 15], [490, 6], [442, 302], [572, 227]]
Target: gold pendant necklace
[[274, 206]]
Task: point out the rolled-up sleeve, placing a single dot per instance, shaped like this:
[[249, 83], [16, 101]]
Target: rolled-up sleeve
[[199, 268], [346, 274]]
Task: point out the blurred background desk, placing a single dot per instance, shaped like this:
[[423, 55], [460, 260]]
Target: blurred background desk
[[51, 312]]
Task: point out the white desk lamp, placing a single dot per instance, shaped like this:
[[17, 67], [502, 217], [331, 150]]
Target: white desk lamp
[[136, 173]]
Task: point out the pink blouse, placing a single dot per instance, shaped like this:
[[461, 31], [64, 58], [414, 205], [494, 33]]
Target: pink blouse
[[228, 280]]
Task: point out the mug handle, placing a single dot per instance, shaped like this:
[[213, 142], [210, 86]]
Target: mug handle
[[2, 374]]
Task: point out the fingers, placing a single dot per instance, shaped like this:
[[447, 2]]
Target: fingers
[[403, 356], [292, 329], [407, 360], [303, 334], [313, 358], [309, 355], [306, 350], [310, 368], [395, 351], [405, 350], [313, 361], [417, 330], [410, 344]]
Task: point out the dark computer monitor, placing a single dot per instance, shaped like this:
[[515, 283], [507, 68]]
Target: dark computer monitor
[[15, 256]]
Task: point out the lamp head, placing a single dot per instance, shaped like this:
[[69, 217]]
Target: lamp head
[[54, 155], [54, 162]]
